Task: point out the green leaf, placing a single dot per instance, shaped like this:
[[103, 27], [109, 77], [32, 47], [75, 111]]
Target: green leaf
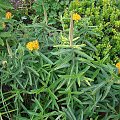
[[69, 113], [9, 49], [98, 87], [46, 59], [111, 108], [5, 34], [30, 78], [33, 70], [83, 54], [39, 104], [1, 42], [52, 95], [107, 90], [61, 51], [74, 76]]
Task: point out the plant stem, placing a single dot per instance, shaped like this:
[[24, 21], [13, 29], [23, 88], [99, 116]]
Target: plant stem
[[71, 31]]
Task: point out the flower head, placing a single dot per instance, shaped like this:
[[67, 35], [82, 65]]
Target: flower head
[[36, 45], [76, 17], [33, 45], [8, 15], [118, 66], [29, 46]]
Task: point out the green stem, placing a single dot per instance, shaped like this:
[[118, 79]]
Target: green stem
[[71, 31]]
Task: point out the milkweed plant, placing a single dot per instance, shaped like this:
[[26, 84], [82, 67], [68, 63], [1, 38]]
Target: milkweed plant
[[49, 72]]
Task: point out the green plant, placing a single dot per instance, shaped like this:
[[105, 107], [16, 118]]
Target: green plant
[[58, 81], [103, 18], [51, 9]]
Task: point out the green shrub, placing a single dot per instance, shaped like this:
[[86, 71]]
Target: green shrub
[[50, 9], [104, 15]]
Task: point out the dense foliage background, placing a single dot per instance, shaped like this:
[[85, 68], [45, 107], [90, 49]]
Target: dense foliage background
[[71, 75]]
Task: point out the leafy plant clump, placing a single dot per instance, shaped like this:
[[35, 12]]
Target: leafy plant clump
[[47, 72]]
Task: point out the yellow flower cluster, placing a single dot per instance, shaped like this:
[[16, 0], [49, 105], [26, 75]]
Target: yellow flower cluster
[[76, 17], [8, 15], [118, 66], [33, 45]]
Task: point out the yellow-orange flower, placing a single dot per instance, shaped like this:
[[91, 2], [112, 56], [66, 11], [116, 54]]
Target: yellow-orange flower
[[118, 66], [76, 17], [36, 45], [29, 46], [33, 45], [8, 15]]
